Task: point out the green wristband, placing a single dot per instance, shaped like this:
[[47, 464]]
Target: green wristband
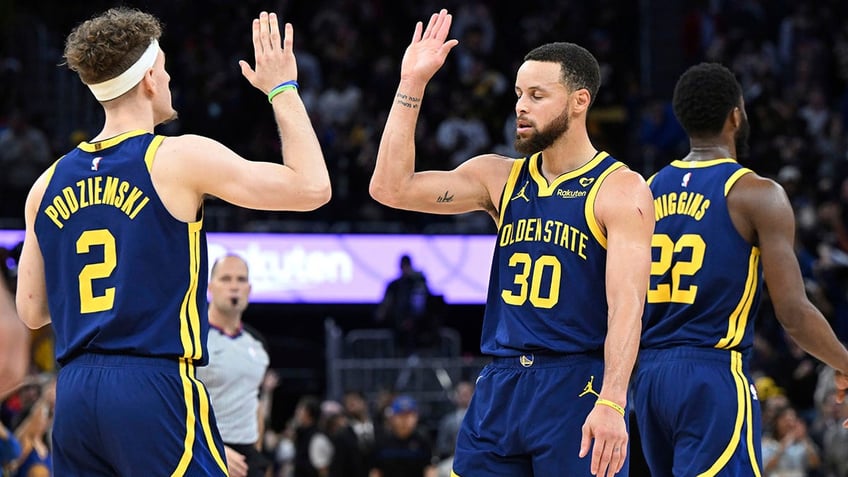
[[280, 88]]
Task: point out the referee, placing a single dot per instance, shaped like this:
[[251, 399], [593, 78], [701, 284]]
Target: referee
[[237, 365]]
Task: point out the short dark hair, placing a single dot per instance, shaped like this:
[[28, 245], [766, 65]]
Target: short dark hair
[[579, 68], [703, 98]]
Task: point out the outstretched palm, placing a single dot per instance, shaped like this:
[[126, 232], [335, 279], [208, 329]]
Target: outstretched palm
[[428, 50]]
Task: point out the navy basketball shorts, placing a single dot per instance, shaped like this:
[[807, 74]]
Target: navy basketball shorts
[[526, 417], [134, 416], [697, 412]]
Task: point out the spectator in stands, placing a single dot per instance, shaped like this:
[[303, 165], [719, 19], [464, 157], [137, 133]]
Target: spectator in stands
[[24, 154], [404, 306], [788, 451], [449, 427], [313, 451], [404, 451], [356, 408], [347, 460], [449, 424], [31, 431], [835, 440], [238, 363]]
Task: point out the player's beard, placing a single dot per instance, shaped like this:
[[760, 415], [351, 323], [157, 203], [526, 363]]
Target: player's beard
[[741, 138], [544, 138]]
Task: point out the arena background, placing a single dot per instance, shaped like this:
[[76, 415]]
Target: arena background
[[791, 57]]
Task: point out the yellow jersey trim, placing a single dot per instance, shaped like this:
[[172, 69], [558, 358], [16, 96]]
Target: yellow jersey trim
[[203, 399], [546, 190], [189, 314], [738, 320], [48, 174], [112, 141], [733, 178], [509, 187], [454, 474], [151, 151], [699, 164], [741, 413], [651, 179], [188, 396], [589, 211]]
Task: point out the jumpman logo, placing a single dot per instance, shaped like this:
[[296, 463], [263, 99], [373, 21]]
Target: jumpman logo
[[588, 388], [522, 193]]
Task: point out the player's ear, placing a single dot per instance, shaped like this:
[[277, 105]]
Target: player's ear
[[581, 99]]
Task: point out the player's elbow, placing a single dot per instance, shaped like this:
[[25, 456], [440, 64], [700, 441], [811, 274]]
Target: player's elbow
[[33, 317], [384, 194], [313, 196], [321, 194]]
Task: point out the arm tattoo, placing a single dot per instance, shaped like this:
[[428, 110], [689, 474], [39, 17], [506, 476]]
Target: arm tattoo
[[406, 101], [448, 197]]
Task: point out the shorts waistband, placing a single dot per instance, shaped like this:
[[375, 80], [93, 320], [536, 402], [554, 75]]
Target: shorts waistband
[[100, 360], [547, 360], [686, 353]]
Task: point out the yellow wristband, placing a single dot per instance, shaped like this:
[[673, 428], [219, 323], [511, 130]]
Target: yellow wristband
[[604, 402]]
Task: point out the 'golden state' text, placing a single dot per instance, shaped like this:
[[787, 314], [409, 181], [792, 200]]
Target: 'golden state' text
[[534, 229]]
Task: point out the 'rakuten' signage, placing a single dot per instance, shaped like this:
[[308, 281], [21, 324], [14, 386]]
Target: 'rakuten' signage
[[349, 268]]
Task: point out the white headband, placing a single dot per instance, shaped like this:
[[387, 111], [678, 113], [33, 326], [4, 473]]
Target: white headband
[[112, 88]]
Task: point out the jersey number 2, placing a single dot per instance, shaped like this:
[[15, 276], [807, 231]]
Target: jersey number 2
[[537, 268], [672, 292], [93, 271]]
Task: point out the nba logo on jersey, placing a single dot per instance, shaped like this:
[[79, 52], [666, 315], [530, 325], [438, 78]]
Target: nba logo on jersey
[[95, 163], [686, 178]]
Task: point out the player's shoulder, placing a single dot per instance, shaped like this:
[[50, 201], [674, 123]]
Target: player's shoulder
[[490, 163], [750, 183], [624, 179], [186, 142], [758, 195]]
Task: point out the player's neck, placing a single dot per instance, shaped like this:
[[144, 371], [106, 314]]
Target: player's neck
[[702, 150], [129, 116], [568, 153]]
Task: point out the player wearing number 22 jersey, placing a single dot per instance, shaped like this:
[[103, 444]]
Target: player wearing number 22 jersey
[[100, 212], [698, 327]]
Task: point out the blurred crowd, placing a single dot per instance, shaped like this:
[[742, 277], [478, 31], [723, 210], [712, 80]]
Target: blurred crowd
[[791, 58]]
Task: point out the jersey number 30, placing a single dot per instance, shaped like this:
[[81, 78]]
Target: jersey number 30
[[533, 284], [672, 292], [93, 271]]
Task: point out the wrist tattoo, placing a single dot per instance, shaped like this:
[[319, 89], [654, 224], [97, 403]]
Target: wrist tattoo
[[447, 197], [407, 101]]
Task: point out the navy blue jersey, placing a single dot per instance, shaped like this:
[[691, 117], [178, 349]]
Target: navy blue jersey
[[547, 289], [705, 277], [123, 275]]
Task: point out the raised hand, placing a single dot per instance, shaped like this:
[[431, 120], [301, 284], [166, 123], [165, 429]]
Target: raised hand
[[428, 50], [275, 62]]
